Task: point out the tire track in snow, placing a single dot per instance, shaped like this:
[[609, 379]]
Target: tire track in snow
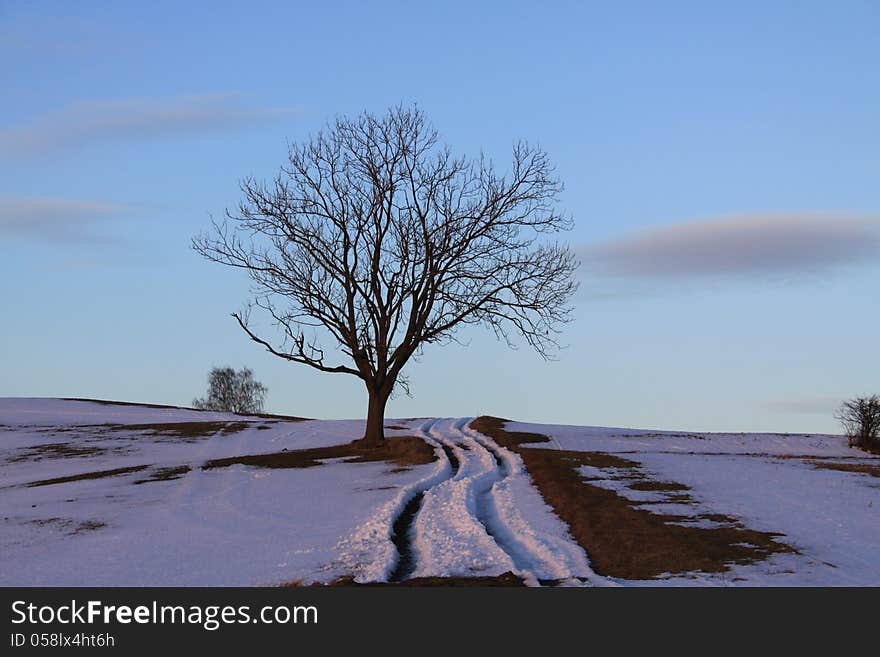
[[540, 547], [402, 526], [449, 540], [451, 456], [486, 509], [477, 513], [382, 548], [487, 514]]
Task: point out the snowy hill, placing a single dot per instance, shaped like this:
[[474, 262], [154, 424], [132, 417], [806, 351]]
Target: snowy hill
[[97, 493]]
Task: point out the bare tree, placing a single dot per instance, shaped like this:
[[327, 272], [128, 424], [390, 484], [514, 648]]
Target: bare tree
[[232, 392], [376, 237], [860, 418]]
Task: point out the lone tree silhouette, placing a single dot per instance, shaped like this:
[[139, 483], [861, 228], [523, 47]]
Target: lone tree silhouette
[[232, 392], [376, 236]]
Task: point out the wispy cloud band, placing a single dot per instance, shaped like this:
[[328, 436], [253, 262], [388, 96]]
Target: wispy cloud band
[[86, 122], [741, 246], [814, 405], [56, 220]]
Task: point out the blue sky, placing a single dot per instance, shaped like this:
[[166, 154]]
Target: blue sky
[[721, 165]]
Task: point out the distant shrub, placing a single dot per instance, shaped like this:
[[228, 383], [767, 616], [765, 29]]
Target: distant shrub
[[232, 392], [860, 418]]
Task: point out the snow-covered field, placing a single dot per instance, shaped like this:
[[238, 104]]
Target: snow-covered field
[[770, 482], [98, 494], [227, 526]]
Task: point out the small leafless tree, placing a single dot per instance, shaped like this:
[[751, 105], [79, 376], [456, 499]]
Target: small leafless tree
[[232, 392], [375, 237], [860, 418]]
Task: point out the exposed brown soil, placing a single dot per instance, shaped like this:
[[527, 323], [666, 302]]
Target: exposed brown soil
[[695, 436], [165, 474], [89, 526], [110, 402], [506, 579], [760, 455], [863, 468], [42, 522], [182, 430], [494, 428], [621, 539], [870, 449], [275, 416], [84, 435], [605, 461], [401, 450], [70, 526], [100, 474], [55, 451], [658, 486]]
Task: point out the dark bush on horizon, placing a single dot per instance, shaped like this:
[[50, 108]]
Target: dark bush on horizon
[[860, 418], [232, 392]]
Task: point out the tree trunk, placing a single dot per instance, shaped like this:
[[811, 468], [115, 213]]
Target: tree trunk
[[375, 433]]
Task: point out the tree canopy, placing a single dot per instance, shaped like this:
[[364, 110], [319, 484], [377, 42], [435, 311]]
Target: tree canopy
[[374, 238]]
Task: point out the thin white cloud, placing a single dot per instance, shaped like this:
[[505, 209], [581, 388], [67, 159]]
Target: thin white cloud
[[92, 121], [741, 246], [811, 405], [57, 220]]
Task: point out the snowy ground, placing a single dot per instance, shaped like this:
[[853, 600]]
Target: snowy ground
[[228, 526], [770, 482], [150, 515]]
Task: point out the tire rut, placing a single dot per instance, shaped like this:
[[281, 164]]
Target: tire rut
[[402, 527], [474, 502], [450, 455], [486, 508], [402, 539]]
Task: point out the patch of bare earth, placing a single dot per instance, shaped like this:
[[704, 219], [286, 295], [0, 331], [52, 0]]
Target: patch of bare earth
[[164, 474], [693, 436], [80, 439], [870, 449], [621, 539], [100, 474], [70, 526], [659, 486], [862, 468], [275, 416], [54, 451], [403, 451], [181, 431], [110, 402]]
